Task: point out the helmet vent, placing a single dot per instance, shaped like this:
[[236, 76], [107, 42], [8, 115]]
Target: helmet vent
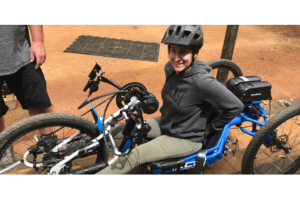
[[177, 30], [186, 33], [196, 36]]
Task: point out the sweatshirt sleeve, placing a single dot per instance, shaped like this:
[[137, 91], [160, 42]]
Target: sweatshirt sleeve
[[218, 96]]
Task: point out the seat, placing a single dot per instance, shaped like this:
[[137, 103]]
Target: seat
[[177, 163]]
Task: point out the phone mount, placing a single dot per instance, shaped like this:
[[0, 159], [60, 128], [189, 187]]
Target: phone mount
[[93, 84]]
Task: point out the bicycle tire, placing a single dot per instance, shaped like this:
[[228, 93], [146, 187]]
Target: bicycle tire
[[15, 140], [286, 120], [234, 69]]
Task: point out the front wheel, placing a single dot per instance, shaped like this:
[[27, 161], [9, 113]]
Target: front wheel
[[16, 139], [275, 148], [224, 64]]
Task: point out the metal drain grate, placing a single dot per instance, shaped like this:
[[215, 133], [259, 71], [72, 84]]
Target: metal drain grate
[[110, 47]]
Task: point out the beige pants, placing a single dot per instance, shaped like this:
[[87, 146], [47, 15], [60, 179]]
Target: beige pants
[[161, 148]]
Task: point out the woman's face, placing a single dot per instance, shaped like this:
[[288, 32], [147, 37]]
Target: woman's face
[[180, 56]]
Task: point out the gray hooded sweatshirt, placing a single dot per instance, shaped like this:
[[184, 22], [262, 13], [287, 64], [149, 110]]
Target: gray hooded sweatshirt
[[188, 99]]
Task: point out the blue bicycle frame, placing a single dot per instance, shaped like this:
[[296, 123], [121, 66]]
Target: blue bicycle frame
[[215, 153]]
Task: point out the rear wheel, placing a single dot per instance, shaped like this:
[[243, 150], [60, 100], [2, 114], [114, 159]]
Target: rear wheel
[[276, 147], [15, 141], [224, 64]]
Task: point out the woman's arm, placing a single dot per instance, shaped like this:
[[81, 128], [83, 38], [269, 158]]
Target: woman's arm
[[221, 98]]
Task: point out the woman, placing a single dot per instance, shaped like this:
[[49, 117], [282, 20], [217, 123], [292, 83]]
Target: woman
[[188, 95]]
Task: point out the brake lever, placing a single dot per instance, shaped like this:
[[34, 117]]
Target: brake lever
[[88, 85]]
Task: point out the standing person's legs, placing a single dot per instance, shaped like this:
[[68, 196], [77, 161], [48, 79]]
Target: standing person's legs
[[160, 148], [39, 111], [3, 107], [2, 126], [29, 86]]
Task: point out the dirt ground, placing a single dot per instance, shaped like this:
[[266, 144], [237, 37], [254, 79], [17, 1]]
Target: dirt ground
[[270, 52]]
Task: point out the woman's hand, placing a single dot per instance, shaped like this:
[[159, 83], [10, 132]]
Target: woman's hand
[[206, 133]]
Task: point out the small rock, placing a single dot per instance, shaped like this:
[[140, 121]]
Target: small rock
[[281, 102], [288, 39], [286, 103], [262, 58], [8, 158], [265, 102], [295, 41]]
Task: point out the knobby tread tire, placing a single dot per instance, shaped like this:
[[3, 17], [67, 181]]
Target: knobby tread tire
[[38, 118], [261, 136], [228, 64], [16, 130]]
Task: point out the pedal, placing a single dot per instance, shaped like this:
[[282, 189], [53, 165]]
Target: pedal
[[232, 143], [227, 149]]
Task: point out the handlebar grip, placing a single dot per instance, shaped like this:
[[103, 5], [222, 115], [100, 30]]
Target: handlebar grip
[[87, 85], [129, 127], [127, 132]]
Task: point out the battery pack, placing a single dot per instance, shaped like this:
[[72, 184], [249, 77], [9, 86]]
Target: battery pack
[[233, 82], [253, 91]]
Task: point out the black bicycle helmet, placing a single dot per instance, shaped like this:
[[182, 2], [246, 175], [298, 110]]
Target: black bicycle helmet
[[191, 35]]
